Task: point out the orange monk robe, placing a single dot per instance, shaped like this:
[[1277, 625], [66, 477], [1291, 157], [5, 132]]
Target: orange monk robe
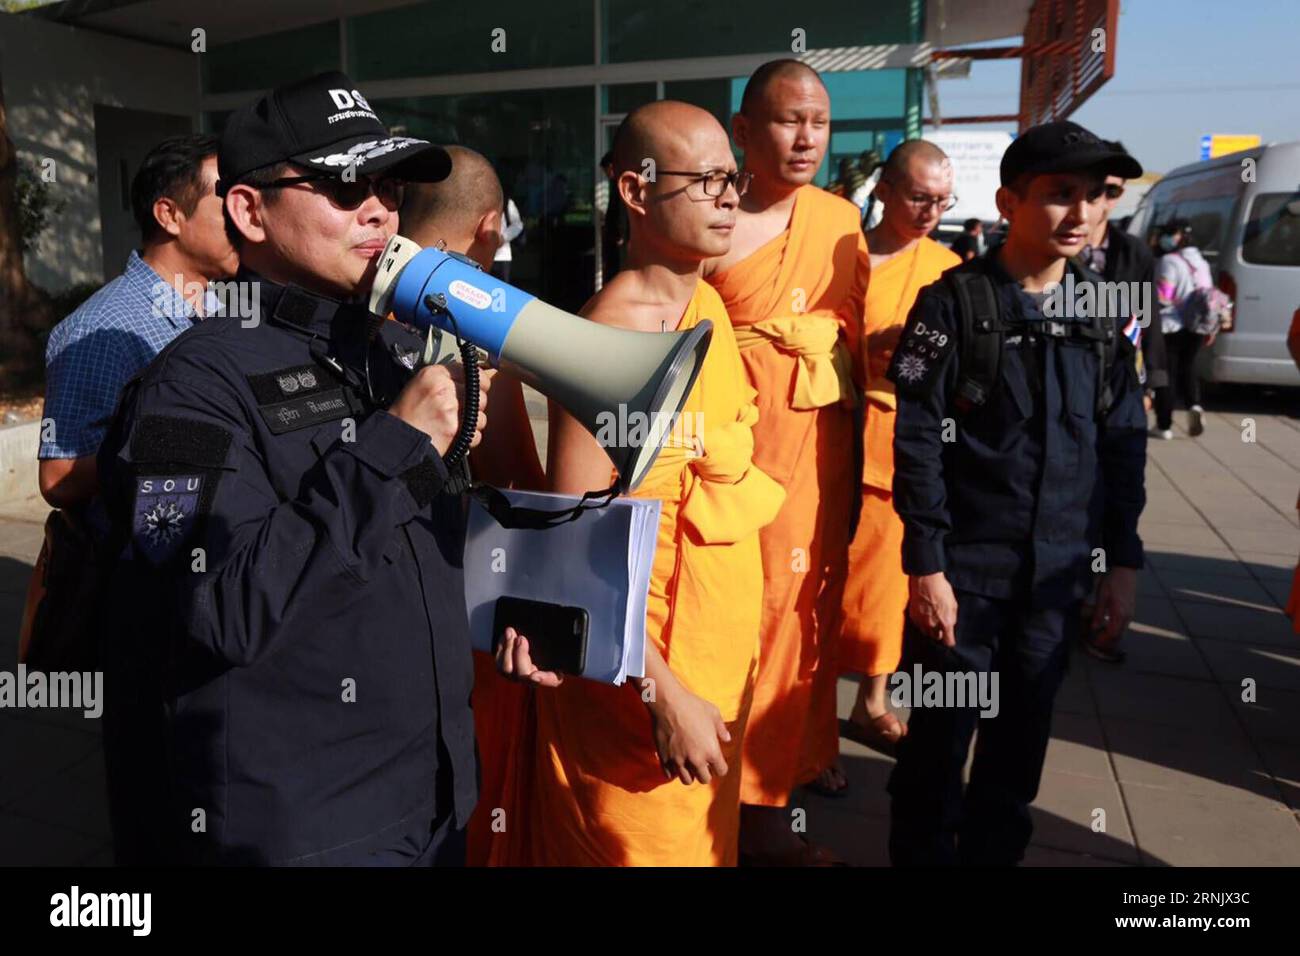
[[591, 790], [504, 729], [875, 597], [796, 303]]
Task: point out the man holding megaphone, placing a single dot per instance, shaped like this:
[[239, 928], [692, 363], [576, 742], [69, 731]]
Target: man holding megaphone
[[288, 659]]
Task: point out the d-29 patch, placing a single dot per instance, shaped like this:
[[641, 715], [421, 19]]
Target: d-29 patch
[[920, 356]]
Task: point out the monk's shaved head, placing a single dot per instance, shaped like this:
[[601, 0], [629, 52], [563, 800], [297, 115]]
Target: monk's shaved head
[[671, 215], [769, 73], [665, 131], [916, 189], [456, 203], [899, 165]]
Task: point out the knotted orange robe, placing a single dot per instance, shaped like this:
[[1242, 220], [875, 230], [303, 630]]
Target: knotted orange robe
[[875, 597], [589, 788], [796, 304]]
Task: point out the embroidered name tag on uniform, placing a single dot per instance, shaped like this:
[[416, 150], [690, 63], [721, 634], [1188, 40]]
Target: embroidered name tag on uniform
[[165, 509], [919, 357], [314, 409], [290, 382]]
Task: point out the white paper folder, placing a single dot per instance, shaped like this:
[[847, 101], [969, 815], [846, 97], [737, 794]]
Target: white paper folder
[[600, 561]]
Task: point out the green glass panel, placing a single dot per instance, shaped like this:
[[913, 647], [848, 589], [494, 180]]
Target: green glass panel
[[541, 143], [625, 97], [711, 95], [668, 29], [267, 61], [432, 39]]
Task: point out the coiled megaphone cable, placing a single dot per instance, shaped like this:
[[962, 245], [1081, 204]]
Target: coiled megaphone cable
[[496, 503], [459, 446]]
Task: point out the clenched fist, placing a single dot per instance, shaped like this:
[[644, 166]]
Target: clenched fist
[[432, 399]]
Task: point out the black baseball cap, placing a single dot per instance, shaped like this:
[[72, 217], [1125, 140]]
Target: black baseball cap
[[1064, 147], [326, 124]]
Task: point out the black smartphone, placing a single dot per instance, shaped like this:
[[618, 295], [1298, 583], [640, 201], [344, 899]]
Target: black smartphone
[[557, 635]]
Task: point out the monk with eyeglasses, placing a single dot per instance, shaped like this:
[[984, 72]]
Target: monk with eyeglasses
[[915, 190], [648, 774]]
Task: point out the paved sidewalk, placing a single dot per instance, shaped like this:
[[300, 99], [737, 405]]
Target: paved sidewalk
[[1186, 772]]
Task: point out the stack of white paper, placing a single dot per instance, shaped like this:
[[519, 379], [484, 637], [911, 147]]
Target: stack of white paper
[[600, 561]]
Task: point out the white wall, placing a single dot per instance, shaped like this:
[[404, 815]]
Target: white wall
[[53, 77]]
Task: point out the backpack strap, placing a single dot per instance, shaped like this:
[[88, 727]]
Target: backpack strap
[[1100, 331], [981, 339]]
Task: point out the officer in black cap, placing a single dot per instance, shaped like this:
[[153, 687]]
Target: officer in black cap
[[289, 662], [1015, 396]]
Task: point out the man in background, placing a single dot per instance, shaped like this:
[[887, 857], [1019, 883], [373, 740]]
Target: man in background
[[971, 241], [613, 226], [463, 213], [117, 331]]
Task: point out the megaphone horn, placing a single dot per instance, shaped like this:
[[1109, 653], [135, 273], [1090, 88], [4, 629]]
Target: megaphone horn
[[598, 374]]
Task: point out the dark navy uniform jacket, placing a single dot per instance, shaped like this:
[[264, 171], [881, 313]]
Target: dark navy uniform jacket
[[1004, 507], [287, 624]]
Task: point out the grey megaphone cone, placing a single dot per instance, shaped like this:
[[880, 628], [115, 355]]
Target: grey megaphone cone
[[604, 376]]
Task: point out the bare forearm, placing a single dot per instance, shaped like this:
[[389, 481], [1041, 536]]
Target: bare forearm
[[659, 686], [68, 482]]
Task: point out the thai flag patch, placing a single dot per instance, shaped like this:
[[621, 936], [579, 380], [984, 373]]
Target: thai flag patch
[[1133, 331]]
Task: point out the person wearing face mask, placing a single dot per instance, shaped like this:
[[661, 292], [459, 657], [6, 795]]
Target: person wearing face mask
[[1182, 270], [289, 670]]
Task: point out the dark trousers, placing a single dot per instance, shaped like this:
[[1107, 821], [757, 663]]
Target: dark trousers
[[437, 844], [932, 822], [501, 269], [1181, 348]]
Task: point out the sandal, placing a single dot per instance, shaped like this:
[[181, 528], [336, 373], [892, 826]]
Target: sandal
[[880, 735]]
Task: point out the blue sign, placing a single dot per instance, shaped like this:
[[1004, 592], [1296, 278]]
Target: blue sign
[[1205, 146]]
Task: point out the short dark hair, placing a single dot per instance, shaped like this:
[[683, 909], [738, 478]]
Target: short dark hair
[[258, 179], [970, 224], [173, 170]]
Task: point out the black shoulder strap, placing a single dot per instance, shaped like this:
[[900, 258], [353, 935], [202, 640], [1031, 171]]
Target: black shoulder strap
[[1101, 332], [981, 338]]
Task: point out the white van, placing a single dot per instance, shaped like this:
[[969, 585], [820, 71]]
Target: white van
[[1245, 218]]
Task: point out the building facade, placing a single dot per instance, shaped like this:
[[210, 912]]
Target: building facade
[[538, 88]]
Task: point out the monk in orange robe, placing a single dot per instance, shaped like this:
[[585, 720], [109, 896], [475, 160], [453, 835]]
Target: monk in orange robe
[[647, 774], [794, 283], [915, 188]]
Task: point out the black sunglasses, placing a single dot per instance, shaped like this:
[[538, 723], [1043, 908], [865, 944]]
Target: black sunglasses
[[349, 194]]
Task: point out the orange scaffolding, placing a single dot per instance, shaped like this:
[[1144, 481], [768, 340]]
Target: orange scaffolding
[[1067, 54]]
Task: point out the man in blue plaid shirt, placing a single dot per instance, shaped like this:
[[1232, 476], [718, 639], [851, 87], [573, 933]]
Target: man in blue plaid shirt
[[115, 333]]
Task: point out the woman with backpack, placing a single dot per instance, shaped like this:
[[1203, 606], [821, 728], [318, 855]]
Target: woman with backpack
[[1192, 311]]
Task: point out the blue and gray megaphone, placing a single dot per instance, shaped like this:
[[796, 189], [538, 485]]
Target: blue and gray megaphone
[[600, 375]]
